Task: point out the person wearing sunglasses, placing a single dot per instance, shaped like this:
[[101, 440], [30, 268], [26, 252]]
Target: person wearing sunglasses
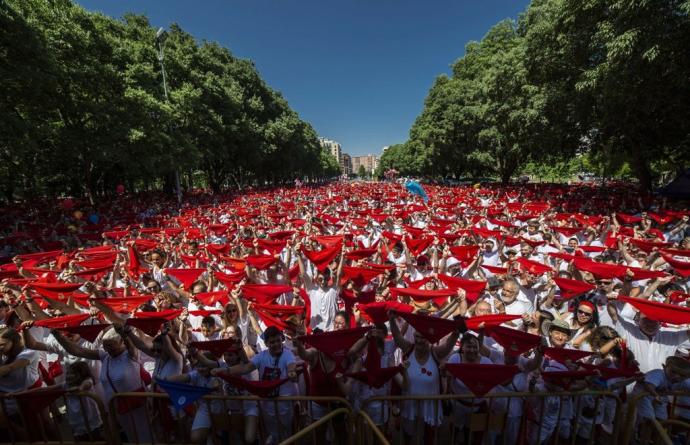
[[582, 323]]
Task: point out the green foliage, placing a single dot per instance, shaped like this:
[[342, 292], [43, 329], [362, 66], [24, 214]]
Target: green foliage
[[84, 109], [603, 77], [362, 172]]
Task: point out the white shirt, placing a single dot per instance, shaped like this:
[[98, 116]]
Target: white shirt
[[324, 305]]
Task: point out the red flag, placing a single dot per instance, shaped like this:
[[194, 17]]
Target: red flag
[[473, 288], [149, 325], [374, 375], [360, 254], [480, 379], [439, 295], [514, 342], [274, 247], [168, 314], [663, 312], [432, 328], [125, 305], [261, 262], [324, 257], [417, 246], [533, 267], [205, 313], [229, 280], [260, 388], [185, 276], [359, 275], [211, 298], [264, 293], [495, 269], [682, 268], [335, 344], [564, 354], [565, 378], [377, 313], [473, 323], [571, 288], [62, 322], [87, 331], [51, 290], [465, 254], [134, 266], [216, 347]]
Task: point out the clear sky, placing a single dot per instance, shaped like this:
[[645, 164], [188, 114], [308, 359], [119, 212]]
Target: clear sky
[[357, 70]]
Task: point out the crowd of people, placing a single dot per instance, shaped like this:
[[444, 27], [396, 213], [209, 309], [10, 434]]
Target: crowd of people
[[349, 291]]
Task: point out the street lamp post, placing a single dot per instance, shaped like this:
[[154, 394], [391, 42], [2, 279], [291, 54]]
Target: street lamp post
[[161, 36]]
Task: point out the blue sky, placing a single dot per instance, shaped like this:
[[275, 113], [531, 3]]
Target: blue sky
[[357, 70]]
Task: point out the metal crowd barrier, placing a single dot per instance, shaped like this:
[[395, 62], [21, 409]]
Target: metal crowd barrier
[[23, 422], [488, 418], [591, 417]]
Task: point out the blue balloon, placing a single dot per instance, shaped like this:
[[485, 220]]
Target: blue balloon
[[93, 218], [416, 189]]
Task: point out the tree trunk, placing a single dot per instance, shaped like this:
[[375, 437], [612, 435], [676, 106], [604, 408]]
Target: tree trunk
[[641, 168]]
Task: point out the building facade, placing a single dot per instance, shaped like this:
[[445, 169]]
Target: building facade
[[332, 146], [346, 164], [370, 163]]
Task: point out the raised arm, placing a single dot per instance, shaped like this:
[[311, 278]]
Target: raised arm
[[73, 348], [400, 341]]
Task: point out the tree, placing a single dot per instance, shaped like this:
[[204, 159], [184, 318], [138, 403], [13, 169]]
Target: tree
[[612, 71], [361, 171]]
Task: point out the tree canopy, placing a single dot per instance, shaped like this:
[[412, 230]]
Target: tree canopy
[[84, 109], [603, 78]]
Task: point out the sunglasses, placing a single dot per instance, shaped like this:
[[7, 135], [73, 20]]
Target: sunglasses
[[579, 312], [230, 311]]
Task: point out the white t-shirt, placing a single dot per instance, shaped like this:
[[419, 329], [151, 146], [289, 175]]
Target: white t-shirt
[[324, 305], [22, 378]]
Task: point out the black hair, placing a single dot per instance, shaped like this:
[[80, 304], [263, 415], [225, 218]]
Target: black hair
[[208, 321], [345, 315], [270, 332]]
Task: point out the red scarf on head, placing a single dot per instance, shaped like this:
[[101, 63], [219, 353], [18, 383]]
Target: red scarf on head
[[489, 320], [571, 288], [62, 322], [432, 328], [480, 379], [682, 268], [185, 276], [51, 290], [377, 313], [662, 312], [261, 262], [514, 342], [88, 332], [324, 257], [211, 298], [563, 354], [473, 288], [264, 293], [335, 344]]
